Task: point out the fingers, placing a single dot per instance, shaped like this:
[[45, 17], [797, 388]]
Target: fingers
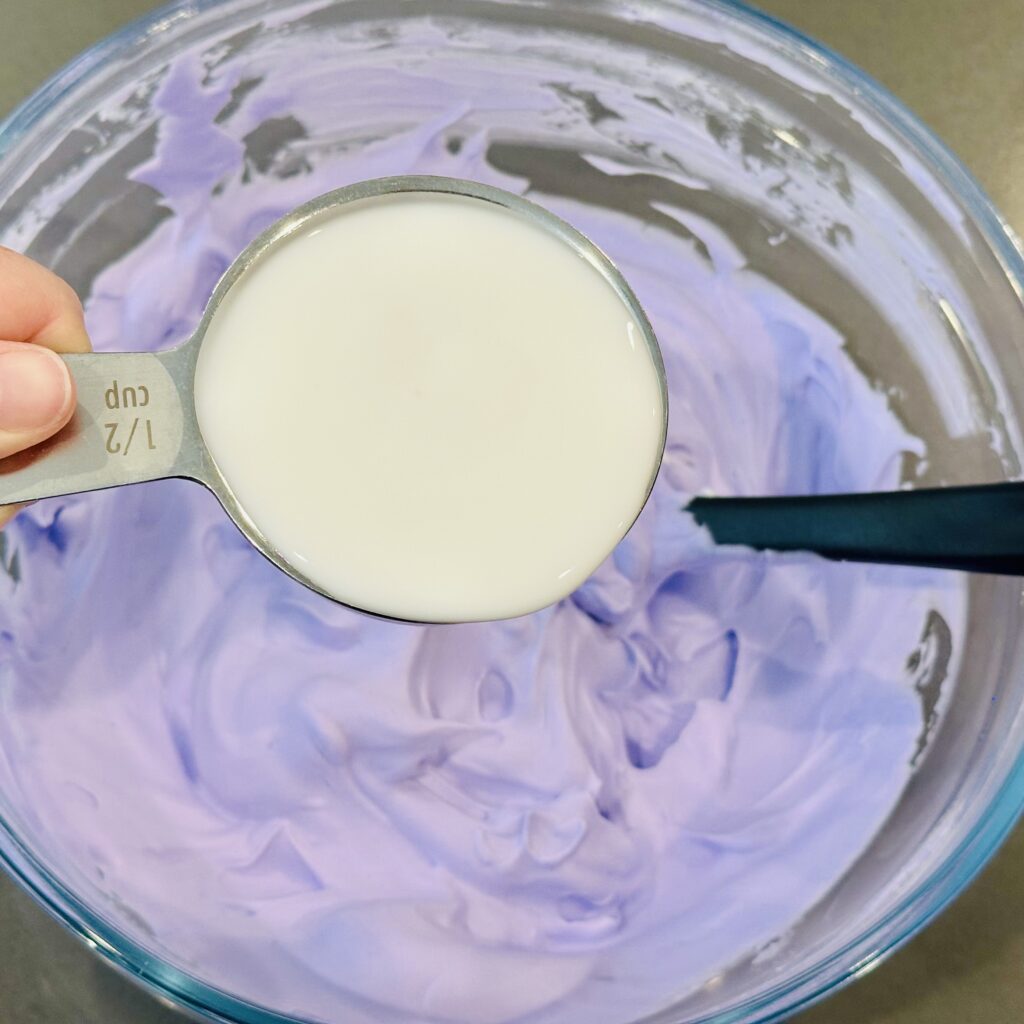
[[40, 315], [36, 395], [37, 398], [37, 306]]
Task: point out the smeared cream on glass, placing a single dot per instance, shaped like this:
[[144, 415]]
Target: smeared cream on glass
[[577, 816]]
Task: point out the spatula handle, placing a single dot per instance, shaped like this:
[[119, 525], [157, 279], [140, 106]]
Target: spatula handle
[[976, 529]]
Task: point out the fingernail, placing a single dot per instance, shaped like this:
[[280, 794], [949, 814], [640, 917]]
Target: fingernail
[[34, 387]]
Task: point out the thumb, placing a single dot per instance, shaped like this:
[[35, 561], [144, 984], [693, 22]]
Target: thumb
[[37, 395]]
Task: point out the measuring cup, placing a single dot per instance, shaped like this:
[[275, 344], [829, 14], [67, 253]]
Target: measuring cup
[[136, 417]]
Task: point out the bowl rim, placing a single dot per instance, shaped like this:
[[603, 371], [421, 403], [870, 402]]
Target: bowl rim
[[886, 934]]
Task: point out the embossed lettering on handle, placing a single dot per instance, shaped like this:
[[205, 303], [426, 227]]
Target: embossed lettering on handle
[[135, 421]]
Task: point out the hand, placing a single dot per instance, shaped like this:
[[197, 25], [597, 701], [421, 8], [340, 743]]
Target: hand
[[39, 316]]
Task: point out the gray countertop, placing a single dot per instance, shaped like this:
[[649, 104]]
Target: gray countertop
[[960, 65]]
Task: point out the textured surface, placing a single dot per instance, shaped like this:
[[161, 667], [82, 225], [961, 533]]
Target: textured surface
[[957, 63]]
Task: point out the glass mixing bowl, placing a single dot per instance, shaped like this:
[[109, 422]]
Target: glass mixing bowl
[[827, 185]]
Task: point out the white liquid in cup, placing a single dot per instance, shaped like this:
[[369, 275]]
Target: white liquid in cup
[[432, 407]]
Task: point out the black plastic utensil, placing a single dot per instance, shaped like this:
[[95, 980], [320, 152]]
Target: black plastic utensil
[[975, 529]]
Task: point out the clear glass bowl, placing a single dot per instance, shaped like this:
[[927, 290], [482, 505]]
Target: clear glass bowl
[[830, 187]]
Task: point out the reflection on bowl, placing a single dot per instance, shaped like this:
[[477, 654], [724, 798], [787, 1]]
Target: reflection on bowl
[[710, 786]]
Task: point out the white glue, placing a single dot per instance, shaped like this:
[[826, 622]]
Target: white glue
[[432, 407]]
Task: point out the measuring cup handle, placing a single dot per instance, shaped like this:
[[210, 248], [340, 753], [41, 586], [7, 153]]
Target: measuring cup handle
[[135, 421]]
